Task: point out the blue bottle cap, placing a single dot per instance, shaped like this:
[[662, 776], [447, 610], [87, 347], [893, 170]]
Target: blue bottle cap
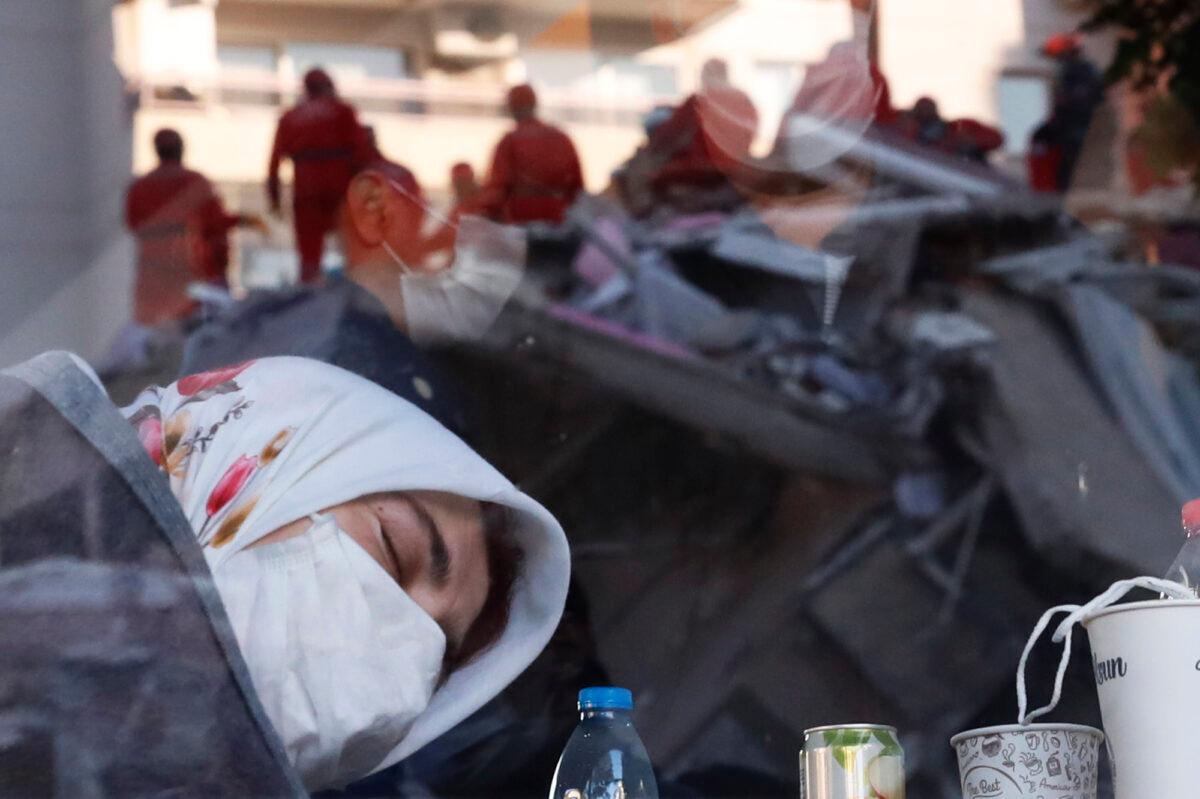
[[605, 698]]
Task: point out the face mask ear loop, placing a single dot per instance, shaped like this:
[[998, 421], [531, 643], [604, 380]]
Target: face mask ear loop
[[1075, 614], [1022, 696], [405, 269], [417, 199]]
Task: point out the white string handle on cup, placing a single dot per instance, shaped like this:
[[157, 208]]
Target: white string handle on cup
[[1075, 613]]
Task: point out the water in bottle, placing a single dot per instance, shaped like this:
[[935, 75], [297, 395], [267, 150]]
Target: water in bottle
[[605, 758]]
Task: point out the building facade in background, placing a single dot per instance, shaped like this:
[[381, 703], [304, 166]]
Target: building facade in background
[[430, 76]]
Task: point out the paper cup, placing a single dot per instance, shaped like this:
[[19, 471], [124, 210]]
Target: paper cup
[[1029, 761], [1146, 656]]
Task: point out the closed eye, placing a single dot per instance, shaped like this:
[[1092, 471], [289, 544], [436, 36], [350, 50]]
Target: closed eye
[[439, 554], [390, 553]]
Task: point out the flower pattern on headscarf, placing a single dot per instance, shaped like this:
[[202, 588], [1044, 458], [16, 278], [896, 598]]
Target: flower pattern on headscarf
[[231, 485], [171, 446], [148, 425], [205, 384]]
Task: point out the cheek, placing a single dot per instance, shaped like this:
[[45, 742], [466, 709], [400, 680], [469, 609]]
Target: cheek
[[405, 246], [431, 600]]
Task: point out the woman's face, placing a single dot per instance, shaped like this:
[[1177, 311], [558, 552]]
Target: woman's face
[[431, 543]]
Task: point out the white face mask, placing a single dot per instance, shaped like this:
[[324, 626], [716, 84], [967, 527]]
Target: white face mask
[[462, 302], [342, 658]]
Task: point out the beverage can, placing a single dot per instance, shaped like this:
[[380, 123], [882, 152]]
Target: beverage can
[[852, 761]]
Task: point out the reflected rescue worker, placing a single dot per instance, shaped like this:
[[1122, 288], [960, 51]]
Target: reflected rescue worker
[[385, 254], [535, 174], [924, 124], [1078, 91], [469, 200], [182, 230], [1044, 158], [706, 139], [340, 320], [380, 228], [688, 159], [713, 129], [839, 101], [847, 87], [966, 138], [371, 151], [973, 140], [323, 138]]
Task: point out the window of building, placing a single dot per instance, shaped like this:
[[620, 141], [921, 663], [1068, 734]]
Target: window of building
[[1024, 103], [775, 83], [646, 79], [246, 58], [559, 69], [348, 61], [773, 88]]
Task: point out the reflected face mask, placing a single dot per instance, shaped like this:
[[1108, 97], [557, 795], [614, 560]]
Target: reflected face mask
[[342, 658], [460, 303]]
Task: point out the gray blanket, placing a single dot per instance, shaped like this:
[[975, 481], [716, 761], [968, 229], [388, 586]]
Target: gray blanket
[[119, 673]]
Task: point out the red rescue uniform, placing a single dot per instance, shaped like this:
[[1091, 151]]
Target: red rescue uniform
[[182, 230], [535, 174], [707, 137], [322, 137], [972, 138], [835, 89]]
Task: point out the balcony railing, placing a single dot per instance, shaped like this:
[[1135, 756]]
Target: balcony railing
[[402, 96]]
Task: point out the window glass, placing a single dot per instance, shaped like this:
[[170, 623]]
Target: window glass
[[246, 58], [347, 61], [1024, 101], [841, 339]]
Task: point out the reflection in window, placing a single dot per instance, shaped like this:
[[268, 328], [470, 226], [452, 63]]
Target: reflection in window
[[1024, 103], [636, 78], [559, 69], [252, 59], [347, 61], [775, 85]]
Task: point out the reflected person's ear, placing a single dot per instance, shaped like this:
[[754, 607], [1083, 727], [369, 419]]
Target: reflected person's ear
[[366, 203]]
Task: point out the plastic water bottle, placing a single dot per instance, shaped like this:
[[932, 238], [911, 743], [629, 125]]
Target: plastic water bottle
[[605, 758], [1186, 568]]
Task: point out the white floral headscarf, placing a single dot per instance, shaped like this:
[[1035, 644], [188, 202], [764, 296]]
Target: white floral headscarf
[[255, 446]]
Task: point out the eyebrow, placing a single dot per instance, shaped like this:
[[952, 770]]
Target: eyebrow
[[439, 562], [439, 555]]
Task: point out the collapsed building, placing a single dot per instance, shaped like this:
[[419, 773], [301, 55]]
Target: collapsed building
[[824, 456], [838, 483]]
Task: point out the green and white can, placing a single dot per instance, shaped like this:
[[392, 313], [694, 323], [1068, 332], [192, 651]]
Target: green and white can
[[852, 761]]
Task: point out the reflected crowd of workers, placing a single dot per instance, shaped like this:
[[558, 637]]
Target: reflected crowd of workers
[[691, 162], [342, 184]]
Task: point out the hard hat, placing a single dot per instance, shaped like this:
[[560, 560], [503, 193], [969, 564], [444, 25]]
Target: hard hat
[[1060, 44]]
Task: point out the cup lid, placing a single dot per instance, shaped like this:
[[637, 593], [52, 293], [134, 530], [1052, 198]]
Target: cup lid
[[1020, 729], [1147, 604]]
